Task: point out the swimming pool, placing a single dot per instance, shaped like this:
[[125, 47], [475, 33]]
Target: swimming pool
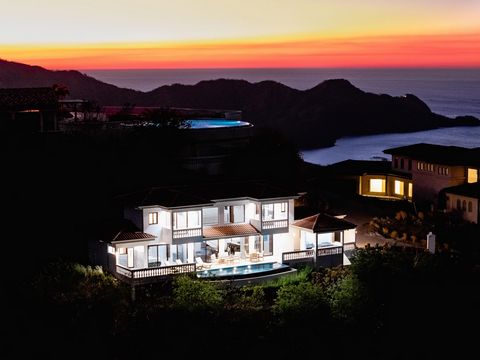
[[244, 271], [215, 123]]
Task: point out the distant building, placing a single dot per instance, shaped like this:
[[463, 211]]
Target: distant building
[[465, 200], [373, 178], [28, 109], [435, 167]]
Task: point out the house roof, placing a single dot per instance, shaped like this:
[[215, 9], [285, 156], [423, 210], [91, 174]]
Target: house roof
[[439, 154], [360, 167], [203, 194], [470, 190], [118, 230], [232, 230], [18, 99], [135, 235], [321, 223]]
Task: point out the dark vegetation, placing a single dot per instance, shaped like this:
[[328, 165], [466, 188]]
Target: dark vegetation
[[390, 303], [310, 118]]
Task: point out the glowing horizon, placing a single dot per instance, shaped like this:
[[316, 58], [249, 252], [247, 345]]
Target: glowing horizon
[[107, 34]]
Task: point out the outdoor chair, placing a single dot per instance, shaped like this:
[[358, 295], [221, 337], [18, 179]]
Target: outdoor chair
[[202, 265]]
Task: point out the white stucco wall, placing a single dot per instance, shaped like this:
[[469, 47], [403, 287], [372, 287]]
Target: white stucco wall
[[349, 236], [281, 243]]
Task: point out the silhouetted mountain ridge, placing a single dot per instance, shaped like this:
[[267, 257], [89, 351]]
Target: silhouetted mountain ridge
[[311, 118]]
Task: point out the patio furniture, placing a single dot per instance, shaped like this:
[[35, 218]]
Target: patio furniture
[[254, 257], [202, 265]]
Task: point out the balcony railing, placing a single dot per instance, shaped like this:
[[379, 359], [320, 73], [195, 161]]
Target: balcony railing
[[334, 250], [297, 255], [186, 233], [274, 224], [156, 272]]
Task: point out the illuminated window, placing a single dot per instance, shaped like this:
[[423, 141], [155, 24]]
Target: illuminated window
[[377, 185], [152, 218], [283, 207], [410, 190], [111, 249], [398, 187], [125, 257], [472, 175]]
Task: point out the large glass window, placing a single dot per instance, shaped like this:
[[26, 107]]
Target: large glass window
[[267, 245], [267, 211], [276, 211], [158, 255], [187, 220], [410, 190], [377, 185], [398, 187], [180, 252], [210, 216], [234, 214], [125, 257], [472, 175]]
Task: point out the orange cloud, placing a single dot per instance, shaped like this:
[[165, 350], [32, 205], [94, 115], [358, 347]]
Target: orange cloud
[[394, 51]]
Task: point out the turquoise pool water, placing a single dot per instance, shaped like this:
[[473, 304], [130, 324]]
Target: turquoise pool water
[[215, 123], [244, 271]]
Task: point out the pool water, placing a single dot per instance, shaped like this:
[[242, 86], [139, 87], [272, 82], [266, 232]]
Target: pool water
[[244, 271], [215, 123]]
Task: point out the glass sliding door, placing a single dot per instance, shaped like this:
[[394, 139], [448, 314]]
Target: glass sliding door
[[158, 255]]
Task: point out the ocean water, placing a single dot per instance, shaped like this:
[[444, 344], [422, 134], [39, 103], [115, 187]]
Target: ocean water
[[450, 92], [371, 147]]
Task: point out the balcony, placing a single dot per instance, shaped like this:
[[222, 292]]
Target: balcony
[[150, 275], [274, 224], [324, 257], [186, 233]]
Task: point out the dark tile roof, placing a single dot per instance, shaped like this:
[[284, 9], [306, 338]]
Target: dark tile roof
[[361, 167], [470, 190], [439, 154], [18, 99], [232, 230], [321, 223], [136, 235], [203, 194], [118, 230]]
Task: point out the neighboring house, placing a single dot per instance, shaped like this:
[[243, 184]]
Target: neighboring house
[[180, 229], [28, 109], [464, 199], [374, 178], [435, 167]]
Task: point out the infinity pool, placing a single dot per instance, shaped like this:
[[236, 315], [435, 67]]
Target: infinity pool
[[244, 271], [215, 123]]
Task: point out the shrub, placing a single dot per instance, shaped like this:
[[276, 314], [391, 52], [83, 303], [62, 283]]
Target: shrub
[[195, 295], [298, 301], [347, 299]]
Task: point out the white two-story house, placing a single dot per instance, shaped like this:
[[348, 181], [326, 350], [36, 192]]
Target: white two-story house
[[184, 229]]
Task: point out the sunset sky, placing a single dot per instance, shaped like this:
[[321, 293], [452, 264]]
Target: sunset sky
[[112, 34]]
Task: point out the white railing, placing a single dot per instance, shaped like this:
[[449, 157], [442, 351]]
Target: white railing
[[274, 224], [297, 255], [157, 271], [186, 233], [330, 251]]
